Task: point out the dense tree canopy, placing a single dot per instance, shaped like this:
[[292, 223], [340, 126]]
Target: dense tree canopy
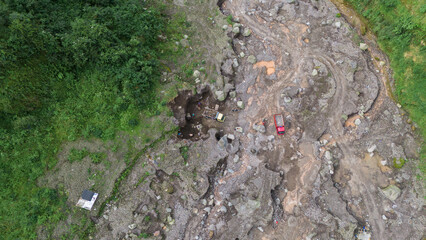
[[67, 69]]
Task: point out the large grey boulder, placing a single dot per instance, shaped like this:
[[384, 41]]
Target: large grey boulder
[[251, 59], [240, 104], [236, 30], [228, 87], [247, 32], [392, 192], [227, 67], [259, 128], [220, 95], [196, 74]]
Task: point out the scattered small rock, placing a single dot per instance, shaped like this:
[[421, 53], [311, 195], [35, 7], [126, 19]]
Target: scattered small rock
[[169, 210], [338, 24], [260, 229], [382, 63], [239, 129], [314, 72], [236, 158], [231, 136], [363, 46], [242, 54], [204, 202], [197, 80], [105, 217], [232, 94], [225, 27], [132, 226]]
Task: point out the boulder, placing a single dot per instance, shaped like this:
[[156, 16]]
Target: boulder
[[231, 136], [235, 63], [132, 226], [392, 192], [247, 32], [196, 74], [357, 121], [363, 46], [228, 87], [314, 72], [220, 95], [338, 24], [236, 30], [251, 59], [223, 142], [242, 54], [328, 155], [240, 104], [232, 94], [227, 67], [259, 128], [372, 148], [287, 99]]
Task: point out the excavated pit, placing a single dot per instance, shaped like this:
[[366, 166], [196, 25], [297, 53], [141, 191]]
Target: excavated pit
[[188, 110]]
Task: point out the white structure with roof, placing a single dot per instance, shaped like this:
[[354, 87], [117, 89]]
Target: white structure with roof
[[87, 200]]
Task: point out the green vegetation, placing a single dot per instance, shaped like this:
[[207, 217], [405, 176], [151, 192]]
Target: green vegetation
[[184, 152], [229, 19], [72, 70], [77, 155], [97, 157], [398, 163], [144, 235], [338, 15], [400, 27]]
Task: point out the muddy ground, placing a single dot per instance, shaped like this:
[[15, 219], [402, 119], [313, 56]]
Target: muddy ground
[[333, 175]]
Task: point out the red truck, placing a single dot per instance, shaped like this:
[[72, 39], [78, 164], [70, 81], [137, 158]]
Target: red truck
[[279, 124]]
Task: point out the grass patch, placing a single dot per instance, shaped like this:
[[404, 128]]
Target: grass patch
[[400, 27], [77, 154], [97, 157], [184, 152]]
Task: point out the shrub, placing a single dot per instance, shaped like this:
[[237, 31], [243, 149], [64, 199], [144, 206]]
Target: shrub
[[398, 162], [77, 154]]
